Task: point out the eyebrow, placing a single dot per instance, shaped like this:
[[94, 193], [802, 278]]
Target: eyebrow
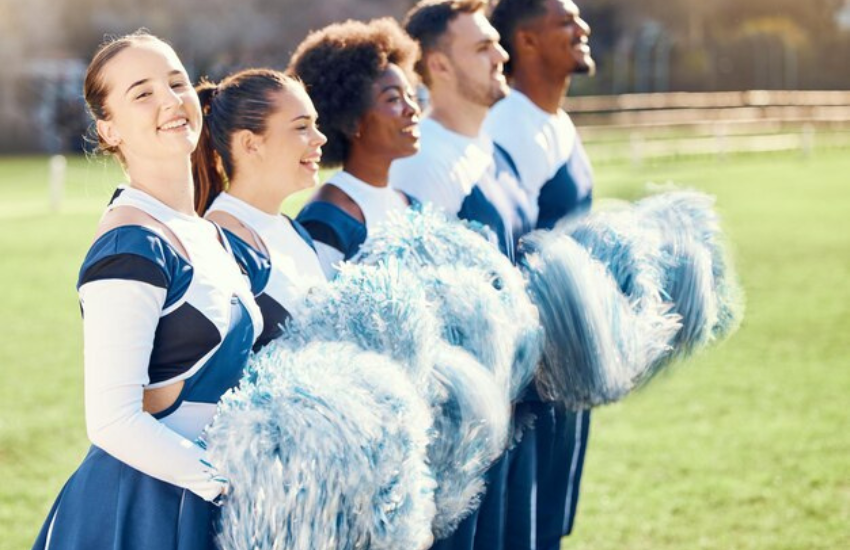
[[305, 117], [391, 87], [144, 80]]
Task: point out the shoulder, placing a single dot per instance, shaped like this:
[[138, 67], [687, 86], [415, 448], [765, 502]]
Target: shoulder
[[232, 225], [328, 223], [139, 253], [332, 194]]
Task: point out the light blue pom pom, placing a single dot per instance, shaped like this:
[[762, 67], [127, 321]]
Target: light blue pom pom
[[597, 346], [492, 326], [684, 215], [325, 448], [470, 432], [377, 308]]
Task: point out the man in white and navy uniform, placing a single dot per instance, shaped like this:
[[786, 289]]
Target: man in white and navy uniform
[[459, 169], [547, 43]]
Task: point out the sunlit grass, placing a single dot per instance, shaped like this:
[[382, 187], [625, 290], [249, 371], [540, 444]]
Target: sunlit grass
[[744, 447]]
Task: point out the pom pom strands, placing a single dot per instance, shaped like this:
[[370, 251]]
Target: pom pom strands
[[470, 432], [596, 346], [325, 448], [690, 215], [374, 308], [426, 238]]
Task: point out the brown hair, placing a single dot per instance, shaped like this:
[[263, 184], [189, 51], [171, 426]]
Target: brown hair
[[95, 90], [429, 20], [242, 101]]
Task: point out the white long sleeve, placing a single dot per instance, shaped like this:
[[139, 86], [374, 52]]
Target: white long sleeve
[[120, 321]]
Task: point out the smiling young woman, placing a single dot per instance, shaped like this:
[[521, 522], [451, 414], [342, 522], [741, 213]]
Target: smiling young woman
[[359, 76], [168, 321], [261, 143]]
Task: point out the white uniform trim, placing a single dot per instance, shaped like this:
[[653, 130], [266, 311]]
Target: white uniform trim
[[375, 202], [295, 266], [449, 165], [539, 143]]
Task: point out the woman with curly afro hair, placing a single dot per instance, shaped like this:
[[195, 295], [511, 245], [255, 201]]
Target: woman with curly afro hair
[[359, 77]]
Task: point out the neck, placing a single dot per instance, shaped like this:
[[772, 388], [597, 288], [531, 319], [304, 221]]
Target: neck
[[370, 168], [170, 182], [457, 114], [256, 192], [543, 90]]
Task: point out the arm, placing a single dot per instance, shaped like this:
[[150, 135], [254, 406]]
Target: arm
[[120, 320]]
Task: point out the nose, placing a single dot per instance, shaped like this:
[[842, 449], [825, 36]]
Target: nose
[[172, 98], [319, 138], [411, 107], [582, 24], [502, 55]]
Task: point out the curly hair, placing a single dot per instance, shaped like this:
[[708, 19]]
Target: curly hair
[[338, 65], [509, 15]]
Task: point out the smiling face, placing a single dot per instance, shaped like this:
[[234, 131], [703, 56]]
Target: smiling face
[[476, 59], [390, 127], [153, 110], [292, 142], [562, 40]]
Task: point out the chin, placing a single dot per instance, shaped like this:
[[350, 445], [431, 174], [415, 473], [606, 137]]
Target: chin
[[410, 151], [586, 66]]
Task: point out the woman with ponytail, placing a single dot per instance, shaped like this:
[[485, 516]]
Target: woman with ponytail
[[259, 145]]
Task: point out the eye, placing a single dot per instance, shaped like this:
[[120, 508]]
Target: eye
[[143, 95], [178, 85]]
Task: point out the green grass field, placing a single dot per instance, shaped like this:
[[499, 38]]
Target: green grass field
[[745, 447]]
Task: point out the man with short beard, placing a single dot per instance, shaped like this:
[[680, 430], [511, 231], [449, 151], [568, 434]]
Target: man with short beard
[[547, 43], [458, 168], [461, 171]]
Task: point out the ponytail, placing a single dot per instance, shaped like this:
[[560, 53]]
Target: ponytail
[[242, 101], [206, 163]]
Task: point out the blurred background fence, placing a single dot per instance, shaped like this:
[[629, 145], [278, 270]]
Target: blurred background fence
[[649, 126], [642, 49]]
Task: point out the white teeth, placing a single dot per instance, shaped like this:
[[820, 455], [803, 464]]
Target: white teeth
[[174, 124]]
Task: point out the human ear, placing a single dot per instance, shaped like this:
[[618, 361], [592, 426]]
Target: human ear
[[438, 65], [246, 142], [108, 132]]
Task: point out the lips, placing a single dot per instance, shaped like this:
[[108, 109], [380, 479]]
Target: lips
[[311, 162], [411, 130], [177, 123]]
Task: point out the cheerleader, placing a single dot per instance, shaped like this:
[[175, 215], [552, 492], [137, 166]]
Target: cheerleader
[[168, 321], [547, 42], [460, 170], [261, 142], [359, 78]]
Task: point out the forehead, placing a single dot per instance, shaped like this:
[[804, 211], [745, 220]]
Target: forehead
[[470, 28], [148, 59], [561, 8], [392, 77], [293, 101]]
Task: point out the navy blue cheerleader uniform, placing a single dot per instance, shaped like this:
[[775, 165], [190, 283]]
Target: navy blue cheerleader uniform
[[336, 233], [284, 267], [473, 179], [556, 174], [153, 318]]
